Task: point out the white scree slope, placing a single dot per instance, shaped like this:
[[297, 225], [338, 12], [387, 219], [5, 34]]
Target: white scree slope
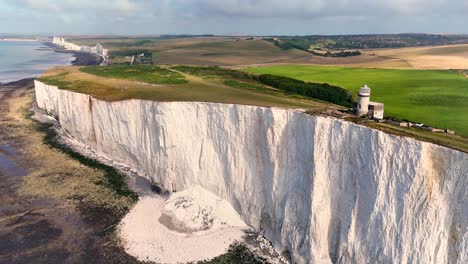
[[201, 226]]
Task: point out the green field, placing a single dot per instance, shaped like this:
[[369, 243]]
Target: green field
[[139, 73], [434, 97]]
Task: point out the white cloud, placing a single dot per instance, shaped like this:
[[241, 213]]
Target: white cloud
[[209, 16], [37, 4], [71, 6], [314, 8], [250, 8]]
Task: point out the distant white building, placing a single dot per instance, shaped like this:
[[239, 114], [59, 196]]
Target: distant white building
[[365, 107]]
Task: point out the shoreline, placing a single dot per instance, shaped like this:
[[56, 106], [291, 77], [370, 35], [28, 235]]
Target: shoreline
[[244, 241], [19, 40], [99, 222], [56, 207], [20, 82], [80, 59]]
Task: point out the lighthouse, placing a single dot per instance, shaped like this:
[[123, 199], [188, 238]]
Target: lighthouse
[[364, 99], [364, 106]]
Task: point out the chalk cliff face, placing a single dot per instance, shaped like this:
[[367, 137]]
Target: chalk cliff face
[[328, 191]]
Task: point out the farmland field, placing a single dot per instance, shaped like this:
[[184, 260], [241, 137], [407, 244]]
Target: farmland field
[[434, 57], [435, 97], [236, 52], [240, 52]]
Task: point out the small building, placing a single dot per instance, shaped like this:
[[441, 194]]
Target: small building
[[376, 110], [364, 107]]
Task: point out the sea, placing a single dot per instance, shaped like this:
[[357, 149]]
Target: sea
[[25, 59]]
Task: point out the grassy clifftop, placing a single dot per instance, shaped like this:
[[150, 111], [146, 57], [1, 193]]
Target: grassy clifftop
[[210, 84], [140, 73], [177, 83]]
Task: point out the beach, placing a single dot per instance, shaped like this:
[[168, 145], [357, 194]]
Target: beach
[[44, 217]]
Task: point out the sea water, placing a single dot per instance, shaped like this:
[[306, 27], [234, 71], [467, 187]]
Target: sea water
[[24, 59]]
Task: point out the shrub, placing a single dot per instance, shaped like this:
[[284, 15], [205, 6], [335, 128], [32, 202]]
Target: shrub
[[237, 253]]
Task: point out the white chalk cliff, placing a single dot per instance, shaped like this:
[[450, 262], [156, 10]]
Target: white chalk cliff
[[329, 191]]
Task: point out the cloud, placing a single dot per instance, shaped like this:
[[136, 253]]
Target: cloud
[[79, 5], [322, 8], [248, 8], [214, 16]]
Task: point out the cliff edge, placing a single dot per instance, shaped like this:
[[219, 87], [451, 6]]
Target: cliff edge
[[326, 190]]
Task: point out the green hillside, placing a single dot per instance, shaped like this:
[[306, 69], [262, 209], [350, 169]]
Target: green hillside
[[435, 97]]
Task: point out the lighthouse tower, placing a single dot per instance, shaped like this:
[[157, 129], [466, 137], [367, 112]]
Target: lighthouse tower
[[364, 98]]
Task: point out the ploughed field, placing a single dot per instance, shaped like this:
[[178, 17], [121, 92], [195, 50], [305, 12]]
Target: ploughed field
[[432, 57], [437, 98]]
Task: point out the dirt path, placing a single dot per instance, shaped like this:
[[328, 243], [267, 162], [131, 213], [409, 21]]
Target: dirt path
[[52, 209]]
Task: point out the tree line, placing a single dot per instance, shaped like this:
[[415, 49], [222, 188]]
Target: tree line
[[322, 91]]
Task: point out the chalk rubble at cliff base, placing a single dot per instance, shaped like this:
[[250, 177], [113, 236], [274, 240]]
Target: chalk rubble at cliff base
[[192, 225], [200, 224], [323, 189]]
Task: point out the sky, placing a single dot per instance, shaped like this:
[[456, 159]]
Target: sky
[[255, 17]]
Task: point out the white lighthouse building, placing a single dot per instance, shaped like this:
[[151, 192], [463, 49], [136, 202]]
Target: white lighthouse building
[[365, 107], [363, 102]]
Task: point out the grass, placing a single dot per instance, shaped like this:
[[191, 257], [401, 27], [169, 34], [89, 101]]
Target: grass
[[241, 51], [199, 87], [452, 141], [237, 253], [192, 50], [213, 84], [267, 84], [140, 73], [214, 72], [54, 173], [57, 80], [245, 85], [113, 179], [437, 98], [228, 52]]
